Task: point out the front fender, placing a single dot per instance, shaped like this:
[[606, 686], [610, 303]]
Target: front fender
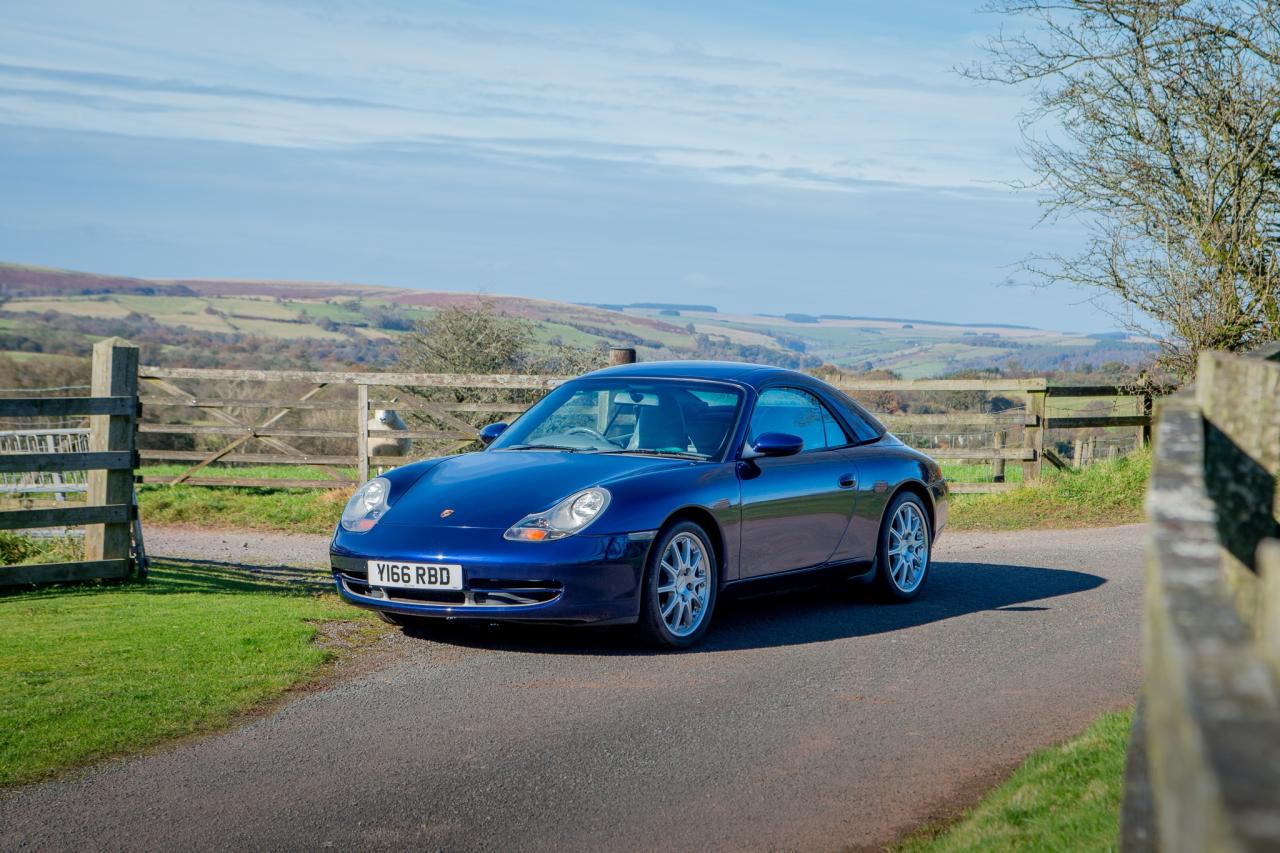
[[644, 502]]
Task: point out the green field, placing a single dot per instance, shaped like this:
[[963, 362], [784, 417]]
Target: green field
[[914, 349], [1063, 798], [285, 311], [96, 670]]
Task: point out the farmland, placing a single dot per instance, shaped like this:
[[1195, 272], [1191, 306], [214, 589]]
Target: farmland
[[221, 323]]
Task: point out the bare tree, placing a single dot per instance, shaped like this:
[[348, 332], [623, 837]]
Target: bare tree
[[1156, 123], [478, 339]]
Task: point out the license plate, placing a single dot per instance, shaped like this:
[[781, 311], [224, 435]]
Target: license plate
[[415, 575]]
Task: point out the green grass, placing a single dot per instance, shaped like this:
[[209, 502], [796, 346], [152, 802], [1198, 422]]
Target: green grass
[[93, 671], [254, 472], [282, 330], [335, 311], [291, 510], [16, 550], [978, 472], [1063, 798], [1109, 492]]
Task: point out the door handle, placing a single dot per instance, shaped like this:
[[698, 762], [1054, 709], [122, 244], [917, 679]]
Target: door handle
[[848, 481]]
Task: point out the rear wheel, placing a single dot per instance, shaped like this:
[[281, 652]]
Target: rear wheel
[[904, 549], [679, 590]]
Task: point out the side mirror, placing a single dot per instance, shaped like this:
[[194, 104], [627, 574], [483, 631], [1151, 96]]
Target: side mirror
[[775, 444], [491, 432]]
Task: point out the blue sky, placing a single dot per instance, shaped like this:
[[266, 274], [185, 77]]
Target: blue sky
[[818, 157]]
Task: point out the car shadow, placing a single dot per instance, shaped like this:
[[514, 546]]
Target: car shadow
[[806, 615]]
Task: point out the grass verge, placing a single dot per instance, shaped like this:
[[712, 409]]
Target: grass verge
[[1063, 798], [93, 671], [1109, 492]]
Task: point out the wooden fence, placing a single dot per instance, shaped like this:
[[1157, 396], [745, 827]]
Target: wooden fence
[[239, 418], [1033, 417], [108, 512], [1204, 760]]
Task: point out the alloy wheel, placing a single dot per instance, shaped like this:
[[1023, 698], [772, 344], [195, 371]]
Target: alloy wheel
[[684, 587], [908, 552]]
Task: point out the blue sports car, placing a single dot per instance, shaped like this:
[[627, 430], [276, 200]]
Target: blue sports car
[[639, 494]]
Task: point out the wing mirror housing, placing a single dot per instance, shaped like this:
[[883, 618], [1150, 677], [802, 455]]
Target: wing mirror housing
[[774, 444], [491, 432]]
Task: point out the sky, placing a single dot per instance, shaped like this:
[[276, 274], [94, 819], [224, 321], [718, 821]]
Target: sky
[[814, 156]]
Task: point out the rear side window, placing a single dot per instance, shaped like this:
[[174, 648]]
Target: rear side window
[[799, 413], [865, 426]]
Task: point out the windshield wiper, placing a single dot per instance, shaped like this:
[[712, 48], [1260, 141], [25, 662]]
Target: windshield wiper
[[563, 447], [644, 451]]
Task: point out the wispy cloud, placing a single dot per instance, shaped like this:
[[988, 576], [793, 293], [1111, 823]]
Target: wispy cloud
[[728, 107]]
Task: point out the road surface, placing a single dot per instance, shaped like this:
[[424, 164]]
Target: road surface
[[813, 720]]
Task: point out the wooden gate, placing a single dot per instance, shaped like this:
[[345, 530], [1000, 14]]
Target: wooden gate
[[108, 511]]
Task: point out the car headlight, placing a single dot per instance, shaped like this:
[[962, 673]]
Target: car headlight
[[366, 506], [564, 519]]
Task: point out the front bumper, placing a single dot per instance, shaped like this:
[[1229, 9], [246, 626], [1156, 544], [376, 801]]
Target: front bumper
[[941, 492], [579, 579]]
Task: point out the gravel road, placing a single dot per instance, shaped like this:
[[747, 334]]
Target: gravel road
[[813, 720]]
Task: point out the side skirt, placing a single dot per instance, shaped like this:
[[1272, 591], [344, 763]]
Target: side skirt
[[827, 573]]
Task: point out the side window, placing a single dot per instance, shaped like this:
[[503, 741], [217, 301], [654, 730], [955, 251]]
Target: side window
[[836, 436], [863, 427], [796, 412]]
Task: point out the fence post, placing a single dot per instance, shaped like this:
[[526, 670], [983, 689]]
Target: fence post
[[997, 464], [1143, 435], [115, 374], [362, 431], [622, 355], [1033, 436], [52, 446]]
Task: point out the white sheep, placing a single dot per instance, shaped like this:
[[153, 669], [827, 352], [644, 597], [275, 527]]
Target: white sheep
[[384, 421]]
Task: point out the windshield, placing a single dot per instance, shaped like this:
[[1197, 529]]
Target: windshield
[[659, 416]]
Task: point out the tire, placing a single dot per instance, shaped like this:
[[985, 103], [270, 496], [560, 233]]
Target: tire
[[678, 594], [901, 573]]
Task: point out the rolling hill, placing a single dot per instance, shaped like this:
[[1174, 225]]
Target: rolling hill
[[325, 324]]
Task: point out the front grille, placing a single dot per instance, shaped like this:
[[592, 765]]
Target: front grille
[[488, 591]]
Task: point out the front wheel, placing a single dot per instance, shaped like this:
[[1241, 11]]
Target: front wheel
[[904, 548], [679, 590]]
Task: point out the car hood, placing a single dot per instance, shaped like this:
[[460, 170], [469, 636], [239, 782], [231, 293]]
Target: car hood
[[498, 488]]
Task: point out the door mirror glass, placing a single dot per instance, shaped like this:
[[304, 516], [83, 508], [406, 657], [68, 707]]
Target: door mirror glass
[[491, 432], [776, 444]]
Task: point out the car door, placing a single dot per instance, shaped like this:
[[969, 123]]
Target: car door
[[795, 508], [860, 539]]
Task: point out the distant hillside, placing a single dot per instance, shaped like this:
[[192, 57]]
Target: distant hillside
[[293, 323]]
